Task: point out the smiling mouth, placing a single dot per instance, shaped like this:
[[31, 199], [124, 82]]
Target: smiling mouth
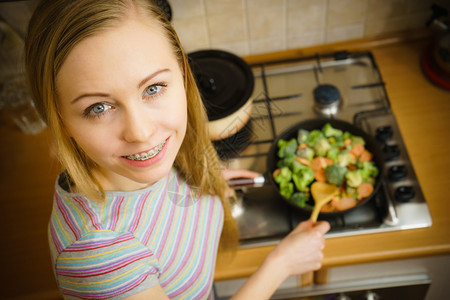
[[146, 155]]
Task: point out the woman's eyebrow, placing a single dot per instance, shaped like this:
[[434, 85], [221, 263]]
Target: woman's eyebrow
[[147, 78], [141, 83], [89, 95]]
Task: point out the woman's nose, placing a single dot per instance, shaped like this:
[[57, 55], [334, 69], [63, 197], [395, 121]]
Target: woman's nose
[[137, 127]]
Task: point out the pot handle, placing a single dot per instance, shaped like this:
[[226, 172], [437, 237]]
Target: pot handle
[[247, 182]]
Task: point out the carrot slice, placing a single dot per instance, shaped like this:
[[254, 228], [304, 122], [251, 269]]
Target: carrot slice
[[303, 161], [327, 208], [318, 163], [301, 146], [319, 175], [328, 161], [347, 141], [357, 149], [364, 190], [276, 172], [365, 156], [345, 203]]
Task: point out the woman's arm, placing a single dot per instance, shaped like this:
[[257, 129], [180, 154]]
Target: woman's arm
[[297, 253]]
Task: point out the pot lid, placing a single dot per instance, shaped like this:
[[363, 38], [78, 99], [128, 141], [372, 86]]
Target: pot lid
[[225, 81]]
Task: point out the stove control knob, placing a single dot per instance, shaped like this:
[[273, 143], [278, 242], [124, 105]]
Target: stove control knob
[[404, 193], [390, 152], [384, 133], [396, 173], [371, 296]]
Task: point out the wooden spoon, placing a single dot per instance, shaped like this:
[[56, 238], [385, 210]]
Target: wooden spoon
[[322, 193]]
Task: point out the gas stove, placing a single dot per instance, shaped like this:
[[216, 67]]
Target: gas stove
[[287, 92]]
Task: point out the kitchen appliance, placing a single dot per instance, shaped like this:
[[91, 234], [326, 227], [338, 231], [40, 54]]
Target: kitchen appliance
[[286, 92], [225, 82]]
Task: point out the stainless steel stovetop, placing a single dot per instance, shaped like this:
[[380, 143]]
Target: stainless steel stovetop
[[283, 96]]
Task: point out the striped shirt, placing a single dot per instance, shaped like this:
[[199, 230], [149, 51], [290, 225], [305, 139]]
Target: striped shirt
[[166, 234]]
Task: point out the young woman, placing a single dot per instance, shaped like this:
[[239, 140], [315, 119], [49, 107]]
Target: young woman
[[139, 210]]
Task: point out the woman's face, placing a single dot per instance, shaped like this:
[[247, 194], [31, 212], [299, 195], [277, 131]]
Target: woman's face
[[123, 101]]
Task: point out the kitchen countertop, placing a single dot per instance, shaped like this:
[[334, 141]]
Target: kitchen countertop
[[28, 173], [423, 115]]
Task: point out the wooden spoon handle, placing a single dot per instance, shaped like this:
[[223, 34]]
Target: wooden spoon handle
[[315, 212]]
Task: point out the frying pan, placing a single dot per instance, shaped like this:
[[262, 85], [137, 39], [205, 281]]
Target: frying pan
[[291, 132]]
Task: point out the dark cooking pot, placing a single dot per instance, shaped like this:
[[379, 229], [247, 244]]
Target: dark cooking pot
[[225, 82], [309, 125]]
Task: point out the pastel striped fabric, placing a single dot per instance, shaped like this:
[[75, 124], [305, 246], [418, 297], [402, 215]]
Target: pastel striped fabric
[[166, 234]]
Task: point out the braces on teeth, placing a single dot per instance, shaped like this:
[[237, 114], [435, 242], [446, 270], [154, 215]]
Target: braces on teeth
[[147, 155]]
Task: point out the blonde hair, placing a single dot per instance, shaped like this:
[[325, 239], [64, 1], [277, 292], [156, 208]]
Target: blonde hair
[[56, 27]]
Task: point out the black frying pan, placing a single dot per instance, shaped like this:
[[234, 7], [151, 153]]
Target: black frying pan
[[309, 125]]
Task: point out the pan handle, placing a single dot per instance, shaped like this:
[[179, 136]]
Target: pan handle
[[247, 182]]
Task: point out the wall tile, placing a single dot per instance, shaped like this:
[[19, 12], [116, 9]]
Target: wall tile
[[182, 9], [192, 32], [227, 28], [255, 4], [303, 15], [266, 22], [385, 9], [343, 33], [343, 12], [240, 49], [271, 44], [306, 39], [223, 6], [377, 27]]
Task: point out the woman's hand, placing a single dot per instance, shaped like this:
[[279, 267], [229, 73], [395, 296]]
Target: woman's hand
[[301, 251], [236, 173]]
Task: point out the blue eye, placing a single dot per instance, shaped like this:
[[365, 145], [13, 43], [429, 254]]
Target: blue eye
[[100, 108], [154, 89], [97, 110]]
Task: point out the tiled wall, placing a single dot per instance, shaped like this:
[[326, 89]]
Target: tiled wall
[[248, 27]]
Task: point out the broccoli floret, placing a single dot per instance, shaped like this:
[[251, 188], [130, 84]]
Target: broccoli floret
[[321, 147], [302, 136], [347, 135], [356, 140], [306, 153], [297, 166], [314, 136], [300, 198], [286, 161], [328, 130], [367, 169], [303, 178], [344, 158], [286, 148], [335, 174], [338, 141], [286, 189], [352, 192], [333, 153], [353, 178], [285, 175]]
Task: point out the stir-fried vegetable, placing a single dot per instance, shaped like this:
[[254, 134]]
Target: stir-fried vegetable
[[328, 155]]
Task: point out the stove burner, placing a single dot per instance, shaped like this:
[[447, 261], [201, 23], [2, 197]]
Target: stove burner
[[326, 99]]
